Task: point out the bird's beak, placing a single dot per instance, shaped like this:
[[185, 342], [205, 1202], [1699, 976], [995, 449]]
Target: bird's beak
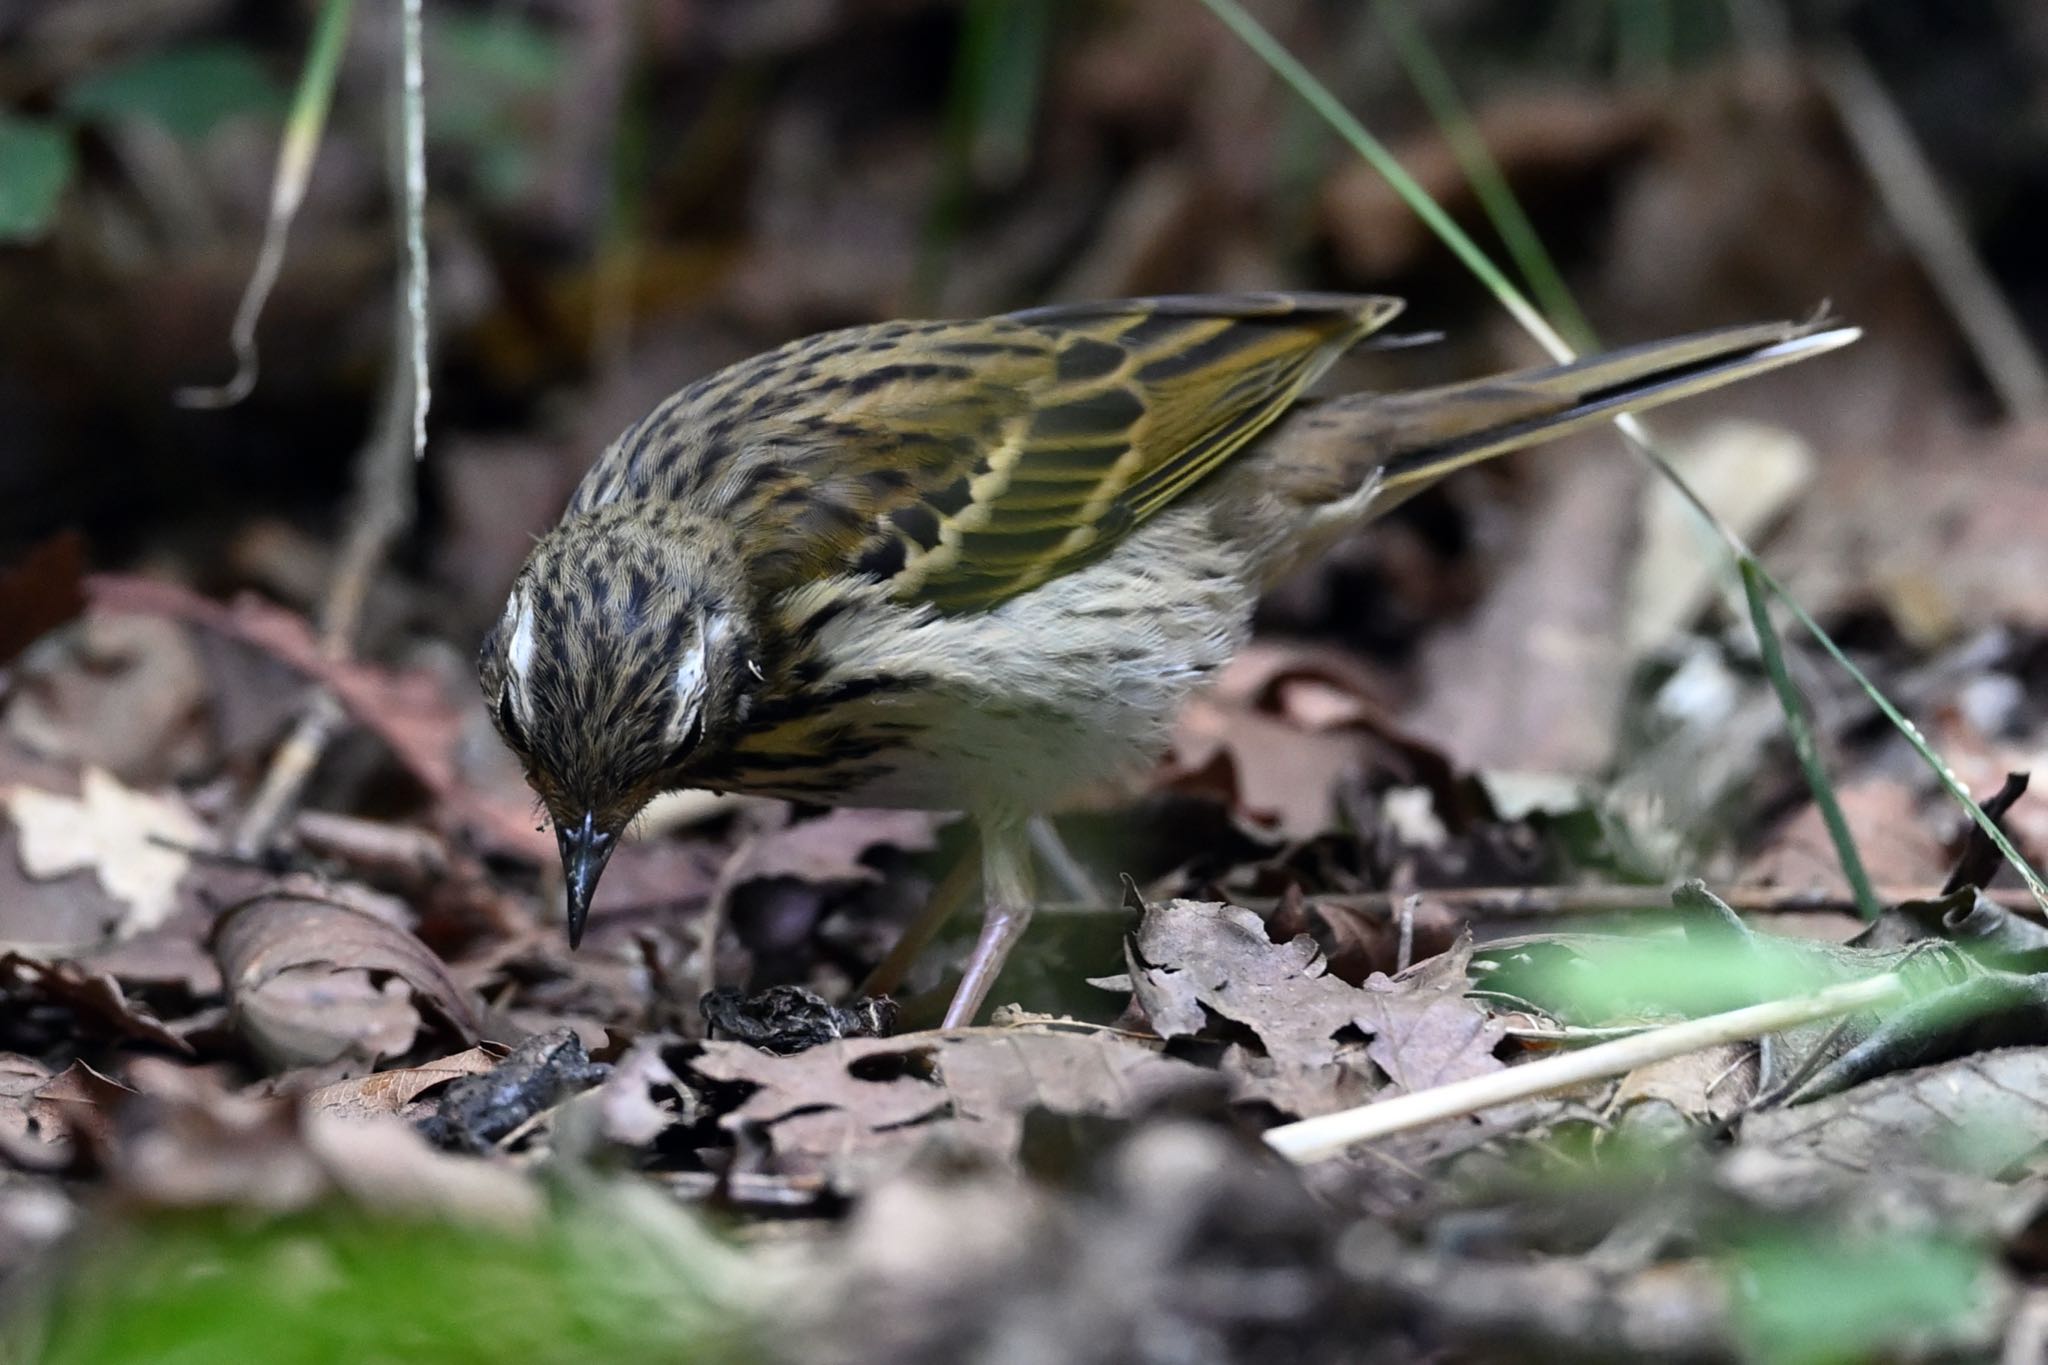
[[585, 850]]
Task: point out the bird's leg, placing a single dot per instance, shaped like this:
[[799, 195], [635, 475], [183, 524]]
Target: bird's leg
[[1006, 888], [949, 895], [1057, 858]]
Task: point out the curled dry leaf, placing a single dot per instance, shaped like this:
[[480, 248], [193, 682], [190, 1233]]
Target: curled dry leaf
[[312, 983], [391, 1092], [95, 998], [135, 843], [43, 1114]]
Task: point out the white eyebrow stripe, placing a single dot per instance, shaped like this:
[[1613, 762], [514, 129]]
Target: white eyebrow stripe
[[520, 654], [690, 672]]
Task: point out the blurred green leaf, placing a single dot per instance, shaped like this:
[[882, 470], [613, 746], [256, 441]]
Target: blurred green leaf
[[187, 90], [36, 161], [1808, 1299], [596, 1282], [1618, 979], [490, 81]]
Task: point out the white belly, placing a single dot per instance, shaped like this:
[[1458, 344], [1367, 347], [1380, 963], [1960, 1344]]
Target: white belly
[[1068, 685]]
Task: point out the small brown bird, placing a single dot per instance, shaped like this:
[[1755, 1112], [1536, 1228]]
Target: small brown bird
[[979, 565]]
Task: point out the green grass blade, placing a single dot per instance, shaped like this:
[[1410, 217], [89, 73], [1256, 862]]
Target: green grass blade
[[1318, 97], [301, 143], [1503, 210], [2035, 886], [1804, 746]]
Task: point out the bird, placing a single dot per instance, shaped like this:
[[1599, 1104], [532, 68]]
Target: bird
[[979, 565]]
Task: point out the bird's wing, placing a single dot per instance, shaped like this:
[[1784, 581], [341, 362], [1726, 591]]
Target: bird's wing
[[962, 463]]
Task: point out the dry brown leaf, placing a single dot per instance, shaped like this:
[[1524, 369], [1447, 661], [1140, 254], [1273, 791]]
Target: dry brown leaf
[[1189, 961], [134, 843], [40, 591], [42, 1115], [1898, 845], [125, 693], [1976, 1114], [635, 1100], [389, 1092], [192, 1144], [312, 983], [1705, 1086], [859, 1108], [407, 710], [95, 997]]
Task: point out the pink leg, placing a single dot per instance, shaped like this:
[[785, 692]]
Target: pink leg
[[1006, 885]]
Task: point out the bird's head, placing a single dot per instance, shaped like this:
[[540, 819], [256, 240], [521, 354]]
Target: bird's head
[[623, 657]]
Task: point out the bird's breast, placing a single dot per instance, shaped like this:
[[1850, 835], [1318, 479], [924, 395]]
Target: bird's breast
[[1013, 709]]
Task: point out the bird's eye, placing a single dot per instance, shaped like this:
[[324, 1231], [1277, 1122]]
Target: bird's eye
[[508, 723]]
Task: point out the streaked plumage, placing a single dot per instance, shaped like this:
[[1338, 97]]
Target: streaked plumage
[[978, 565]]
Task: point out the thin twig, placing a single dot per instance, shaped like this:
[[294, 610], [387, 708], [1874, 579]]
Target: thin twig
[[383, 499], [1326, 1136], [413, 120]]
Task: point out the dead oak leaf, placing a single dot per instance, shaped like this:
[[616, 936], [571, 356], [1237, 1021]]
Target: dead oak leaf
[[1425, 1032], [135, 843], [1191, 959], [859, 1108]]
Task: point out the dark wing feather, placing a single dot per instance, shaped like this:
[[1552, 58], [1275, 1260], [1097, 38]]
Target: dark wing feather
[[965, 462]]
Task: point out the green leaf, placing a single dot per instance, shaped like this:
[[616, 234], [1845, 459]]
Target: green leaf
[[36, 162], [187, 90], [503, 49], [1809, 1298], [491, 82]]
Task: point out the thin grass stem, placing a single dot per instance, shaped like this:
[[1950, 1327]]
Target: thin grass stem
[[295, 155]]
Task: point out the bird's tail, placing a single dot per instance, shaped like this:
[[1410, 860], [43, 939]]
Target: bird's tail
[[1415, 438]]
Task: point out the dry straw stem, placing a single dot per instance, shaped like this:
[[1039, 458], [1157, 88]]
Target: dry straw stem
[[315, 95], [1326, 1136]]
